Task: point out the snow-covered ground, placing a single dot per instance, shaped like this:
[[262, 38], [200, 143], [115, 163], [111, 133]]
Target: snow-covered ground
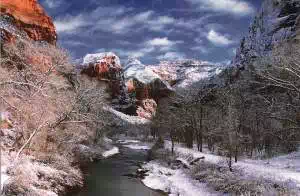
[[137, 147], [174, 182], [4, 177], [134, 144], [111, 152], [283, 168], [135, 120], [179, 182]]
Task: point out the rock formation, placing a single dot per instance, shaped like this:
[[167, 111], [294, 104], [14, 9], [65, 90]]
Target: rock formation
[[147, 108], [277, 21], [25, 18], [143, 82], [132, 85], [182, 74], [106, 67]]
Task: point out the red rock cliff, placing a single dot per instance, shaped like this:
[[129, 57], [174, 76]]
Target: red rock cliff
[[30, 17]]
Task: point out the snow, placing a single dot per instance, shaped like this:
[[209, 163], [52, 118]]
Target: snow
[[111, 152], [98, 57], [283, 168], [4, 177], [134, 144], [106, 139], [128, 141], [137, 147], [135, 69], [127, 118], [175, 182], [187, 72]]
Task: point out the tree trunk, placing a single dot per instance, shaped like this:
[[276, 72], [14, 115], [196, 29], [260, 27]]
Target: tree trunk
[[172, 146], [236, 154], [200, 140]]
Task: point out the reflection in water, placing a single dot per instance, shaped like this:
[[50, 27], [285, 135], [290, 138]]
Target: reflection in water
[[106, 176]]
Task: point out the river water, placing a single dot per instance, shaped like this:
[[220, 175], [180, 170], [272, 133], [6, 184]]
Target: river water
[[106, 177]]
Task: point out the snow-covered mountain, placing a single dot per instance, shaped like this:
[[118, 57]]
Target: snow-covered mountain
[[144, 80], [186, 73], [277, 21]]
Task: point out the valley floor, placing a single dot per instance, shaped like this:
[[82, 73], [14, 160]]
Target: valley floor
[[210, 176]]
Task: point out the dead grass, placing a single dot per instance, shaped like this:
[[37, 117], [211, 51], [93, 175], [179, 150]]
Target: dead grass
[[235, 183]]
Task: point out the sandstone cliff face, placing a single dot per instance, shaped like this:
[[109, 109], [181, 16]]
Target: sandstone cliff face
[[143, 82], [135, 89], [26, 18], [277, 21], [106, 67]]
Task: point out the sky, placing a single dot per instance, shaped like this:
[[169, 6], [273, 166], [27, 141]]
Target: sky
[[153, 30]]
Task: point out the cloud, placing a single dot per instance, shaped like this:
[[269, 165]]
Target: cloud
[[162, 42], [73, 43], [117, 20], [100, 18], [171, 56], [201, 49], [194, 22], [143, 16], [198, 40], [52, 3], [218, 39], [159, 23], [235, 7], [137, 53], [69, 24]]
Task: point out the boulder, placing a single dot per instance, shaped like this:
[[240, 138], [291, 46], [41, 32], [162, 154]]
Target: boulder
[[26, 18]]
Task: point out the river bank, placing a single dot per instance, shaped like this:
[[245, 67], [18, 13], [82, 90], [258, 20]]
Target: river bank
[[111, 176], [191, 173]]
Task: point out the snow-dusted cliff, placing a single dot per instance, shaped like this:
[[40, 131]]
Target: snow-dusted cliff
[[186, 73], [277, 21]]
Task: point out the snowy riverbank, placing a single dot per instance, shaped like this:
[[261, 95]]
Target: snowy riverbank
[[51, 178], [277, 175], [175, 182]]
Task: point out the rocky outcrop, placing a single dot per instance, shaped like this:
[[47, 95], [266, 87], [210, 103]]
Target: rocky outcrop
[[106, 67], [25, 18], [147, 108], [135, 89], [277, 21], [143, 83]]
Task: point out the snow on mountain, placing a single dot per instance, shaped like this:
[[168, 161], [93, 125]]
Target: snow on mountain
[[100, 57], [185, 73], [135, 69]]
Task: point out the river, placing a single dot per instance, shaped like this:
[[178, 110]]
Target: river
[[106, 177]]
